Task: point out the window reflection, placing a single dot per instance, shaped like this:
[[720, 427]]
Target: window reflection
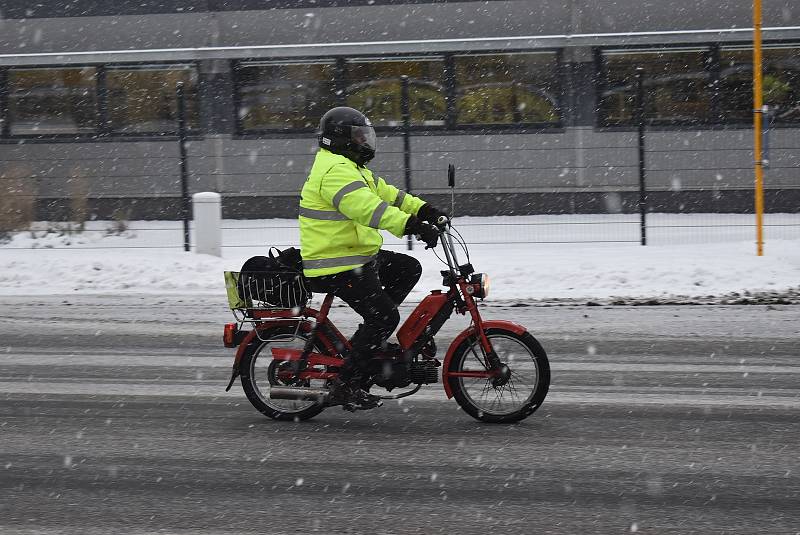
[[676, 86], [52, 101], [142, 99], [374, 87], [507, 89], [285, 96], [781, 84]]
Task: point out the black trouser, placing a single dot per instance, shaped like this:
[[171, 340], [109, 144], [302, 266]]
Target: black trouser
[[374, 291]]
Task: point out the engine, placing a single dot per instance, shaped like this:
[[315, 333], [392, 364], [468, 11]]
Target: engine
[[395, 374], [424, 372]]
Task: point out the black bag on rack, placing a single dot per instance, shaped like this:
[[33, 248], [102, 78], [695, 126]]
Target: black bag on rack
[[275, 280]]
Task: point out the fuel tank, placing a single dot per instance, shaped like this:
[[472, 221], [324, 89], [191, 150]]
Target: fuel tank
[[420, 318]]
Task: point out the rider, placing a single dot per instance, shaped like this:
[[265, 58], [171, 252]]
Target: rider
[[342, 208]]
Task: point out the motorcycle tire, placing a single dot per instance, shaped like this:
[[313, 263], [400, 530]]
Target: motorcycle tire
[[487, 403], [257, 377]]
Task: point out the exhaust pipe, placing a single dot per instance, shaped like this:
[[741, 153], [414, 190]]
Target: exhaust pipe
[[300, 394]]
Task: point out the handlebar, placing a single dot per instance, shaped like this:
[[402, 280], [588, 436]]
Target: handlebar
[[441, 224]]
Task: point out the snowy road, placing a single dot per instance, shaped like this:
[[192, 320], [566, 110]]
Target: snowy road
[[660, 420]]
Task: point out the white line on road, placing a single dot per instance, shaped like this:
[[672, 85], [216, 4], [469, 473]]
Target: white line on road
[[432, 394], [227, 361]]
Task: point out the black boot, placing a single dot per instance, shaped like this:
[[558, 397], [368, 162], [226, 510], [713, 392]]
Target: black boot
[[350, 396], [346, 389]]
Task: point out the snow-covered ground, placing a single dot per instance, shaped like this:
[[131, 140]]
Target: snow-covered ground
[[533, 258]]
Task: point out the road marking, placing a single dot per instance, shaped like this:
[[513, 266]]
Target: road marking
[[169, 361], [672, 368], [588, 397]]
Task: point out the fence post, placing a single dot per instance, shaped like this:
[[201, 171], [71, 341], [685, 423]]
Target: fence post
[[5, 127], [207, 213], [406, 112], [640, 139], [185, 201]]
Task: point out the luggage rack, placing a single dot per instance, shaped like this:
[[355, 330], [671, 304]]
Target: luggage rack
[[282, 294]]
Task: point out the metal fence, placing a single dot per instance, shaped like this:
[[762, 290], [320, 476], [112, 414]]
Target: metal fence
[[246, 235], [573, 188]]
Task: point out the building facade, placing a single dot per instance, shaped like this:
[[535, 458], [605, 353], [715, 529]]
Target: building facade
[[533, 101]]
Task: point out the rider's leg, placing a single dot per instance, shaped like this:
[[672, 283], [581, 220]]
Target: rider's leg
[[366, 297], [361, 289], [398, 273]]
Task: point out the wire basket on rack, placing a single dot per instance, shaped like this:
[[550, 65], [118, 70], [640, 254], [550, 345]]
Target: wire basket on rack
[[259, 290]]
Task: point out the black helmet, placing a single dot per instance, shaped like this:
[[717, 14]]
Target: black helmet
[[348, 132]]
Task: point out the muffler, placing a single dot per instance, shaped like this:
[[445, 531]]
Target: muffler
[[300, 394]]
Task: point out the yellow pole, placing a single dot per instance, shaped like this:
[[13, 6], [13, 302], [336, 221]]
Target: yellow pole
[[758, 117]]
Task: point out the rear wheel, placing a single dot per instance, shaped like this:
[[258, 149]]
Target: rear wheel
[[511, 400], [259, 372]]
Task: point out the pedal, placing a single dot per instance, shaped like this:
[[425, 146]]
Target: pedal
[[352, 406]]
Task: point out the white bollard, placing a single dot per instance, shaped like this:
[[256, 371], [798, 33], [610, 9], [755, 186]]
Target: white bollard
[[207, 213]]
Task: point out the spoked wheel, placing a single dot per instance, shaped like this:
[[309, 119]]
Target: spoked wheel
[[509, 398], [259, 372]]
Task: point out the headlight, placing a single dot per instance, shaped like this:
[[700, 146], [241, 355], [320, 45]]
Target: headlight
[[480, 284]]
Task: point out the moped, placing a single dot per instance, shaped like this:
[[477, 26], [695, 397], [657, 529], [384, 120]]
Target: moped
[[496, 370]]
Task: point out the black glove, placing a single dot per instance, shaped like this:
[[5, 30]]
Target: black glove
[[430, 214], [423, 231]]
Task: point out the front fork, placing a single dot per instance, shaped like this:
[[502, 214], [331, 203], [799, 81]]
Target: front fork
[[469, 303], [501, 372]]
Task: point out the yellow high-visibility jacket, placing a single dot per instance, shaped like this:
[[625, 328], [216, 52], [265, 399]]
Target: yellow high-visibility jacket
[[342, 206]]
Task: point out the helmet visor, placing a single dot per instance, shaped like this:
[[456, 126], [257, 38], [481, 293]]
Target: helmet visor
[[364, 136]]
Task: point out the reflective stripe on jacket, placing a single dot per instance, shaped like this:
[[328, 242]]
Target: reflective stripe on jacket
[[342, 206]]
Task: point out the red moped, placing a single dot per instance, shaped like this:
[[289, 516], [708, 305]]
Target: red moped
[[496, 370]]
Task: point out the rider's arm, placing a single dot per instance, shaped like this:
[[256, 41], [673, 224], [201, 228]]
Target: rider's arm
[[349, 194], [399, 198]]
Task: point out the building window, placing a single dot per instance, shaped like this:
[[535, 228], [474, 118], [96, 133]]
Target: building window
[[284, 96], [781, 84], [374, 87], [142, 100], [507, 89], [676, 86], [52, 101]]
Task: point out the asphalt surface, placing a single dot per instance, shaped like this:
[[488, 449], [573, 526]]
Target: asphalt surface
[[660, 419]]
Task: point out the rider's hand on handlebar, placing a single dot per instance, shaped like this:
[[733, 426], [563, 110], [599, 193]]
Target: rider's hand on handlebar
[[432, 215], [422, 231]]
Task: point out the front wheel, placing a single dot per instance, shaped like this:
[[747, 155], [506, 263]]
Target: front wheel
[[512, 400]]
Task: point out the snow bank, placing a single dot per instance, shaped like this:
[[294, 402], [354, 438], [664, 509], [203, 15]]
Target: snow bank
[[520, 272]]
